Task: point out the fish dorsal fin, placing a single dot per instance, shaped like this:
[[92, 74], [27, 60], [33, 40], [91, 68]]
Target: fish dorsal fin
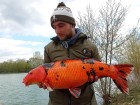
[[75, 92]]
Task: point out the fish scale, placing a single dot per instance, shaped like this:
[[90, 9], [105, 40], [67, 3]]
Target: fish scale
[[73, 73], [64, 80]]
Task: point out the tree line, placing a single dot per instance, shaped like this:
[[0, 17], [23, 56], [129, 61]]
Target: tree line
[[21, 65]]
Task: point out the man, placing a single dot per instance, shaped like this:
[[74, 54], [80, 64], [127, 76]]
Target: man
[[70, 42]]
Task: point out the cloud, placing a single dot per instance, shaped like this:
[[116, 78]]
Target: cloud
[[19, 12], [13, 49], [20, 19], [25, 24], [20, 16]]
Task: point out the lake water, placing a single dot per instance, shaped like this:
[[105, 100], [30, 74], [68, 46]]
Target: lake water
[[14, 92]]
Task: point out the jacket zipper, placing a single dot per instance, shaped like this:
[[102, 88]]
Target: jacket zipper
[[68, 52]]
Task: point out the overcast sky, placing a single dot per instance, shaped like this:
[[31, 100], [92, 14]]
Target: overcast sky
[[25, 24]]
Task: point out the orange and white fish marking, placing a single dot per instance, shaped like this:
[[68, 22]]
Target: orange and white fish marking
[[71, 74]]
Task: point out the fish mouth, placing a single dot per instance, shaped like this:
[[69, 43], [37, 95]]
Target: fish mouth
[[26, 83]]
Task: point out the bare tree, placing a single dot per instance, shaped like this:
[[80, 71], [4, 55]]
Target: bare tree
[[110, 22], [105, 32], [36, 60], [87, 22]]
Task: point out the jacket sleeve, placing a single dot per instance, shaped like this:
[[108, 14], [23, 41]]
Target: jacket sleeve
[[46, 56]]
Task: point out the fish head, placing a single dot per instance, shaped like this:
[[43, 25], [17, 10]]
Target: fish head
[[35, 76]]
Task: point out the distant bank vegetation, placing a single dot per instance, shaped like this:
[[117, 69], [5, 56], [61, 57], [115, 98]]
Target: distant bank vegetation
[[21, 65]]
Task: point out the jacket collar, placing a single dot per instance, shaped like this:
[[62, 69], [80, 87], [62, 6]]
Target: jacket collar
[[71, 41]]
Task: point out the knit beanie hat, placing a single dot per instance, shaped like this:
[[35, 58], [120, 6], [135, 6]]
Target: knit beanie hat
[[62, 13]]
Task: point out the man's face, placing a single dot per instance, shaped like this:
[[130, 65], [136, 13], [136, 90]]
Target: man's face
[[63, 30]]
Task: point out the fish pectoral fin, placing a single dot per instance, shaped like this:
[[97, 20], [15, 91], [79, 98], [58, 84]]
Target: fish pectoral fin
[[75, 92], [48, 87]]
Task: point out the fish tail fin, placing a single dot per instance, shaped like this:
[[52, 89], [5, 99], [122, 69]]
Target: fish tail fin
[[123, 70]]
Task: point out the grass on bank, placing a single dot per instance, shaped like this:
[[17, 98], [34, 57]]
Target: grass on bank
[[132, 99]]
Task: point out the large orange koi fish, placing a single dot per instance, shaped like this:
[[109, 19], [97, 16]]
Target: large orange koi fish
[[71, 74]]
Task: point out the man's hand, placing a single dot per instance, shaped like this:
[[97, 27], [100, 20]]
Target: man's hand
[[40, 85], [96, 78], [93, 79]]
